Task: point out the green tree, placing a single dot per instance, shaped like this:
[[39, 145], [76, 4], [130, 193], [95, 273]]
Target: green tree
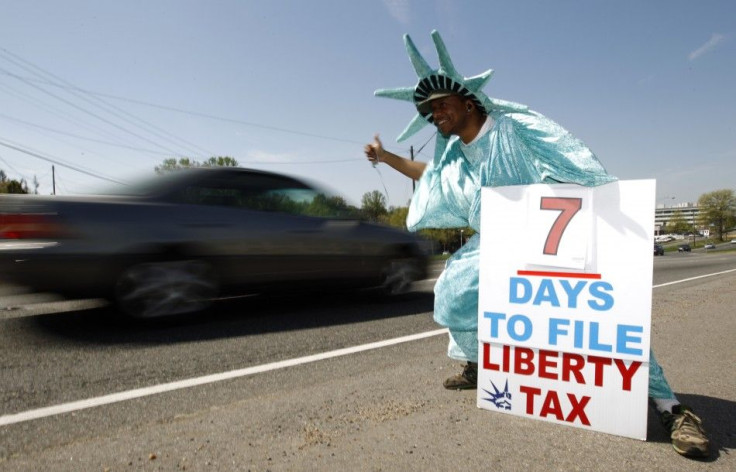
[[220, 161], [172, 164], [373, 206], [448, 239], [330, 206], [718, 210], [12, 185], [397, 217]]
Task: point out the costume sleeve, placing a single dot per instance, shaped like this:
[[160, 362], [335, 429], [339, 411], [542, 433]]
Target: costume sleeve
[[429, 207], [528, 148]]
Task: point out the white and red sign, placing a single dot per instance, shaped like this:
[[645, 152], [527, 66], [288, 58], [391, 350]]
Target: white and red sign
[[565, 303]]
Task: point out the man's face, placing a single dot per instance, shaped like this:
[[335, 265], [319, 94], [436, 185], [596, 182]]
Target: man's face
[[450, 114]]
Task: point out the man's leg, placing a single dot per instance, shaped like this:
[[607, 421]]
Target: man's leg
[[687, 435], [463, 346], [456, 307]]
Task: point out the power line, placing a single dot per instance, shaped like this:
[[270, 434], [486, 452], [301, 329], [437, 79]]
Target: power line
[[109, 108], [59, 113], [78, 92], [13, 168], [99, 117], [60, 163], [196, 113], [229, 120], [84, 138]]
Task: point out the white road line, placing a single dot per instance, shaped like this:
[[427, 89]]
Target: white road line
[[193, 382], [694, 278], [187, 383]]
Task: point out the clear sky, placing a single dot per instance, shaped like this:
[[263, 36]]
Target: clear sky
[[106, 90]]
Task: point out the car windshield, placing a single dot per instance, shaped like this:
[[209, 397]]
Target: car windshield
[[254, 191]]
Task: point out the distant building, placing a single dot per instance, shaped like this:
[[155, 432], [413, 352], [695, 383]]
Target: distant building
[[688, 211]]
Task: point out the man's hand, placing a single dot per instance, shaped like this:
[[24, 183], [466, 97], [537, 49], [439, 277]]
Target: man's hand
[[374, 151]]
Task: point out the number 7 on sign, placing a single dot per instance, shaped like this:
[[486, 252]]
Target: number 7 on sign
[[568, 207], [558, 226]]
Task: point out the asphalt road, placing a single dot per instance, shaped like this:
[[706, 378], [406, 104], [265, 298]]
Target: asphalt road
[[381, 408]]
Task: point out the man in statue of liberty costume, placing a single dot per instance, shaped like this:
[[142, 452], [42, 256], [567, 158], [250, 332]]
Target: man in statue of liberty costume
[[483, 141]]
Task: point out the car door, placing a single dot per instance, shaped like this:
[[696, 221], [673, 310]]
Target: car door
[[253, 226]]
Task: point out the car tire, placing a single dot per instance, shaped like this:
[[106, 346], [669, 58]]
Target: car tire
[[398, 276], [156, 289]]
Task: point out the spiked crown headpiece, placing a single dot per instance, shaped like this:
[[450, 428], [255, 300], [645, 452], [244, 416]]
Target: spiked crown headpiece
[[445, 78]]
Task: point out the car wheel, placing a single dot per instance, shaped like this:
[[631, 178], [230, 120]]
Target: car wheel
[[399, 275], [156, 289]]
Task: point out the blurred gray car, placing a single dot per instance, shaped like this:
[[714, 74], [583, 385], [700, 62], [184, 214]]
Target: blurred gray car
[[173, 244]]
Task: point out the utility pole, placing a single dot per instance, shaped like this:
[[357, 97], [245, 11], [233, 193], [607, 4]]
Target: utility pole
[[53, 181], [413, 182]]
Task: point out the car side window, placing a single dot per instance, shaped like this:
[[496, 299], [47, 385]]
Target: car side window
[[265, 193], [260, 193], [204, 195], [275, 194]]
